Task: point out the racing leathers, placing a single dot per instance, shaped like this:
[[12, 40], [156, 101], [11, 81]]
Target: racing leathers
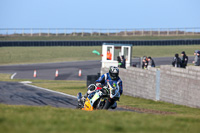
[[106, 77]]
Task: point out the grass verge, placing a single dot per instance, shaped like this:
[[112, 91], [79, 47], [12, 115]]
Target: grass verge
[[21, 55], [49, 119]]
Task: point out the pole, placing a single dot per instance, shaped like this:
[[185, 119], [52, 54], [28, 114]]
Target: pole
[[31, 32]]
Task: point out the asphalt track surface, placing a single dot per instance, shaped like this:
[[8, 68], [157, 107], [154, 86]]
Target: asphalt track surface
[[20, 94], [67, 70]]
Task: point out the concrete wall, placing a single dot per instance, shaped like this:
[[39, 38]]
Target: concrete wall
[[180, 86], [169, 84]]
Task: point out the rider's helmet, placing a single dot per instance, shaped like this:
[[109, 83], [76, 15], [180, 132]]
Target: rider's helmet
[[114, 72]]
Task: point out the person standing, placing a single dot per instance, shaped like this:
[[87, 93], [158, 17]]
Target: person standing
[[184, 59], [123, 61], [151, 62], [144, 62], [109, 55], [198, 59], [176, 61], [119, 61], [195, 57]]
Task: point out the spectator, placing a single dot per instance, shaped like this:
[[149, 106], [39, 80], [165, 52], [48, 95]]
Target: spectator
[[184, 59], [151, 62], [144, 62], [176, 61], [123, 61], [198, 59], [119, 61], [109, 55], [195, 57]]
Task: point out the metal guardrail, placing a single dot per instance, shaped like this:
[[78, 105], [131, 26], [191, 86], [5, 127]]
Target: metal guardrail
[[98, 43], [99, 32]]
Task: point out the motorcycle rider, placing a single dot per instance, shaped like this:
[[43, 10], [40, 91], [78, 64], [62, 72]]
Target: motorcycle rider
[[112, 75]]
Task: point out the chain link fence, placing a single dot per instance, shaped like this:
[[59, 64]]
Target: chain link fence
[[99, 32]]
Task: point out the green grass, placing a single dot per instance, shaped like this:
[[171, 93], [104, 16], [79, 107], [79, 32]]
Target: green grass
[[89, 38], [31, 119], [21, 55]]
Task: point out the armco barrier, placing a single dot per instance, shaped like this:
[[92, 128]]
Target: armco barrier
[[98, 43], [169, 84]]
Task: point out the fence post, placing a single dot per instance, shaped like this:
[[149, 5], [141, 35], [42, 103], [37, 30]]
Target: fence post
[[168, 32], [31, 32], [99, 32], [56, 32], [133, 32], [40, 32], [65, 32], [151, 32], [125, 32], [108, 32], [74, 32], [176, 32], [142, 32], [92, 32], [23, 32], [82, 32], [48, 32], [116, 33], [193, 30], [159, 32]]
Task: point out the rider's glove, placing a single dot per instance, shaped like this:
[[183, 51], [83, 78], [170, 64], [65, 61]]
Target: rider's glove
[[98, 84]]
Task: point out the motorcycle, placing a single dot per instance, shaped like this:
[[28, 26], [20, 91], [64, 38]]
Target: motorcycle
[[101, 98]]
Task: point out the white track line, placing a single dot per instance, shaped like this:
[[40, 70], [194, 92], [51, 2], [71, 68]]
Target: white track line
[[50, 90], [13, 76]]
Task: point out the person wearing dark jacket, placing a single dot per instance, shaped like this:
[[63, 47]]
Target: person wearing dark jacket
[[151, 62], [144, 62], [123, 61], [195, 58], [184, 59], [198, 59], [176, 61], [119, 61]]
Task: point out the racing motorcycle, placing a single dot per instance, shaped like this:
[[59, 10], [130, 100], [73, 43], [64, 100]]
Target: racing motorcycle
[[100, 98]]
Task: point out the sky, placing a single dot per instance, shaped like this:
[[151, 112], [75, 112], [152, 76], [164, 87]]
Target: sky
[[99, 13]]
